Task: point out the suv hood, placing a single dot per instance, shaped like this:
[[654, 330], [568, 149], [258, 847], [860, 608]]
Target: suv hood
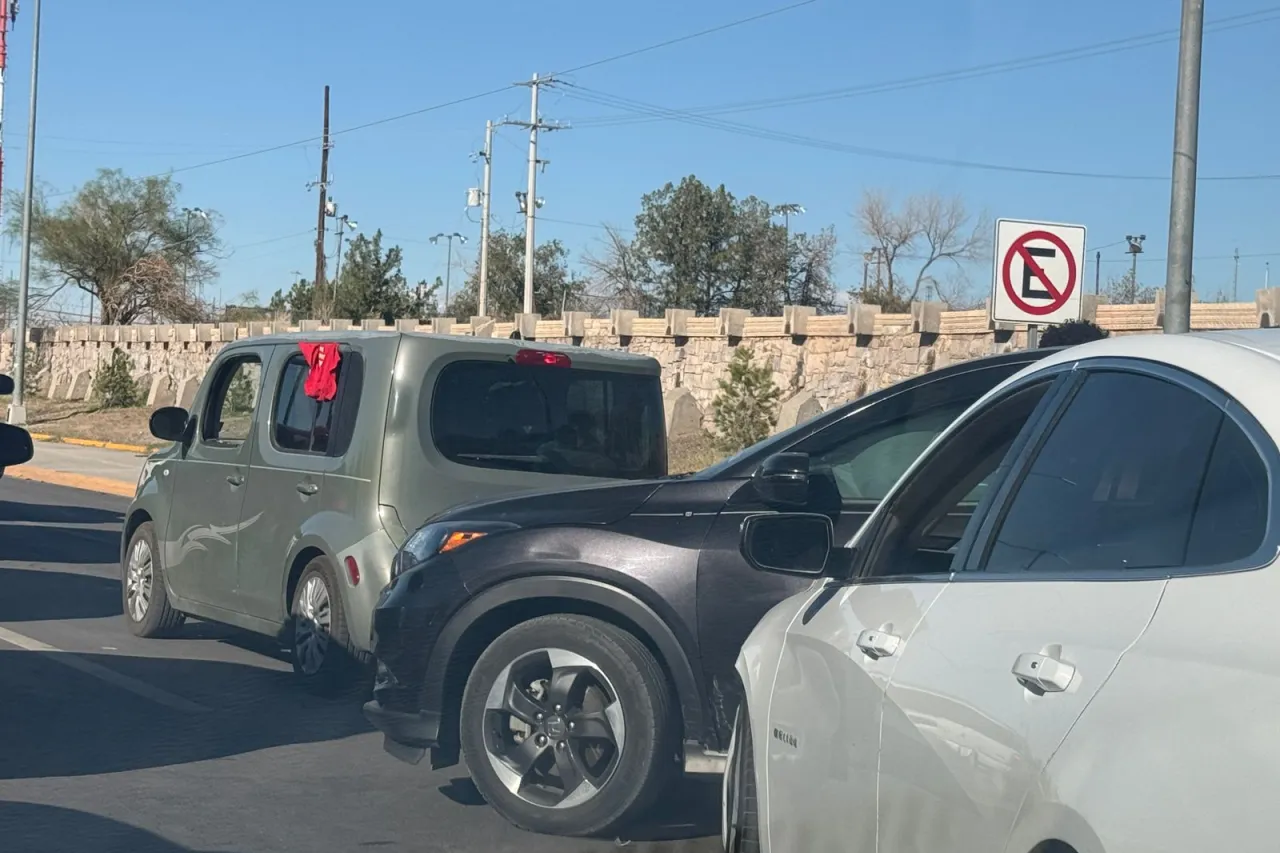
[[604, 504]]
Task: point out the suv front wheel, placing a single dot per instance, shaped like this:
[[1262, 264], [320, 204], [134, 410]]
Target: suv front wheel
[[567, 726]]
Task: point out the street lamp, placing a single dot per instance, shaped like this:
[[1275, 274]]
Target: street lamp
[[449, 265], [786, 211], [1135, 249], [190, 213], [344, 223]]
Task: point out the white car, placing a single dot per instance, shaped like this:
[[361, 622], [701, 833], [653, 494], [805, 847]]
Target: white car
[[1059, 632]]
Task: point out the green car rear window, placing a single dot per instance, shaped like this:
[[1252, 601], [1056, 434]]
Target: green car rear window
[[549, 419]]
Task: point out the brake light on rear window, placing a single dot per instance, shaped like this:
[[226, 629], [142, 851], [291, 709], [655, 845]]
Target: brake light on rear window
[[542, 358]]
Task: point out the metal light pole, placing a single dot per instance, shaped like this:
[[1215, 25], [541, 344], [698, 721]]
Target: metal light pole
[[448, 269], [188, 212], [1182, 202], [1135, 249], [344, 222], [18, 408], [786, 211]]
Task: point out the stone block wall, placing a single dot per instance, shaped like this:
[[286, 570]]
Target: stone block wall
[[818, 361]]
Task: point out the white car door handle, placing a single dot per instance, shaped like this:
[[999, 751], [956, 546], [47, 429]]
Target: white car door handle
[[1043, 673], [878, 644]]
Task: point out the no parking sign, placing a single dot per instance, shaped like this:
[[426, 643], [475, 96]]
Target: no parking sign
[[1038, 267]]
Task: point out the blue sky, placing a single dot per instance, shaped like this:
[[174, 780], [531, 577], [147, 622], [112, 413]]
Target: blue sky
[[150, 85]]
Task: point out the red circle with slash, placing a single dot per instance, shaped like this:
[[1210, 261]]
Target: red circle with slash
[[1059, 294]]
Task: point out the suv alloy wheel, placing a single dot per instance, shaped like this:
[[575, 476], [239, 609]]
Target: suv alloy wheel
[[567, 726]]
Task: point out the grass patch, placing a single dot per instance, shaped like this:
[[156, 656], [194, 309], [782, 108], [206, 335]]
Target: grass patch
[[84, 419], [692, 453]]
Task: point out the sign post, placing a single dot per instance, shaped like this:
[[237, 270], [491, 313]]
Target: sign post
[[1036, 280]]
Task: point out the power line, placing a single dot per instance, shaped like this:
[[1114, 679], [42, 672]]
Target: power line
[[619, 102], [955, 75], [468, 98], [716, 29]]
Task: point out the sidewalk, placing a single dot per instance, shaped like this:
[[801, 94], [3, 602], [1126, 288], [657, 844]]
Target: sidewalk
[[114, 472]]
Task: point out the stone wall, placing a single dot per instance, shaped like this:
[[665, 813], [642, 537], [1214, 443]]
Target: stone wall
[[818, 361]]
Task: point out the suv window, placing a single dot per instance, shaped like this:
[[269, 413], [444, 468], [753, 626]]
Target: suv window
[[866, 466], [300, 423], [228, 413], [917, 534], [1120, 479], [549, 419]]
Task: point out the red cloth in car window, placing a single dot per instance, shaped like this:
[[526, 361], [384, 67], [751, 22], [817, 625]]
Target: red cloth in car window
[[322, 363]]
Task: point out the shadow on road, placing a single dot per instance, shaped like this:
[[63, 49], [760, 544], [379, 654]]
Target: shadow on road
[[691, 810], [57, 514], [27, 543], [29, 595], [32, 828], [61, 720]]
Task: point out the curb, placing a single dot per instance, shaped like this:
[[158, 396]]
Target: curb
[[87, 482], [89, 442]]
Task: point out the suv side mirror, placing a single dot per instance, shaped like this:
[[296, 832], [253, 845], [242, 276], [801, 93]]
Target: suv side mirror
[[788, 543], [15, 446], [170, 423], [783, 480], [6, 384]]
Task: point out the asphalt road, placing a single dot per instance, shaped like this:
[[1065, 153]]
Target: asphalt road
[[110, 743]]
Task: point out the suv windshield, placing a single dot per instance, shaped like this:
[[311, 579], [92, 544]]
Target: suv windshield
[[551, 420]]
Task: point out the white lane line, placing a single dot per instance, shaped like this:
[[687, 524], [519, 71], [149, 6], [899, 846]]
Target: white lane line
[[110, 676]]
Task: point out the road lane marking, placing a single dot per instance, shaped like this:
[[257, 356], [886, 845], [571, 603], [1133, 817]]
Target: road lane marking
[[110, 676]]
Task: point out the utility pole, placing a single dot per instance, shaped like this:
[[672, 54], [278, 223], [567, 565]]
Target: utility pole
[[1182, 202], [1097, 273], [483, 295], [18, 408], [531, 200], [1235, 278], [324, 196]]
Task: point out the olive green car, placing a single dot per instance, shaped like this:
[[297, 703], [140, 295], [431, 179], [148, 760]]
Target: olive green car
[[279, 514]]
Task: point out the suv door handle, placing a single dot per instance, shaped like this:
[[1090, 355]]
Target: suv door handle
[[878, 644], [308, 488], [1043, 673], [235, 480]]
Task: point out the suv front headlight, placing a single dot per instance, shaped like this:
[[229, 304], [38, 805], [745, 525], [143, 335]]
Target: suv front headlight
[[440, 538]]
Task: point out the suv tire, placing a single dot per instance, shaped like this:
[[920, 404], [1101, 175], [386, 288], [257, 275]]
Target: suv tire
[[740, 810], [323, 656], [611, 692], [143, 595]]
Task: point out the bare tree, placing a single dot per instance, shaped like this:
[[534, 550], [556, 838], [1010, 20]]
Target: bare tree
[[938, 231], [891, 232], [619, 275], [943, 226]]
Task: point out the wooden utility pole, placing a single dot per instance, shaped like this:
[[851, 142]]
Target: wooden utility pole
[[324, 197]]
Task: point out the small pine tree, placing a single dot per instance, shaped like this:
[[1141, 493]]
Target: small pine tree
[[114, 387], [746, 407]]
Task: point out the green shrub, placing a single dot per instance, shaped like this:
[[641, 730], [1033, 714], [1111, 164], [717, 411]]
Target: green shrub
[[747, 406], [113, 387], [239, 398]]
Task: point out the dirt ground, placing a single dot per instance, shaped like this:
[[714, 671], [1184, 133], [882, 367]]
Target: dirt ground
[[79, 419]]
